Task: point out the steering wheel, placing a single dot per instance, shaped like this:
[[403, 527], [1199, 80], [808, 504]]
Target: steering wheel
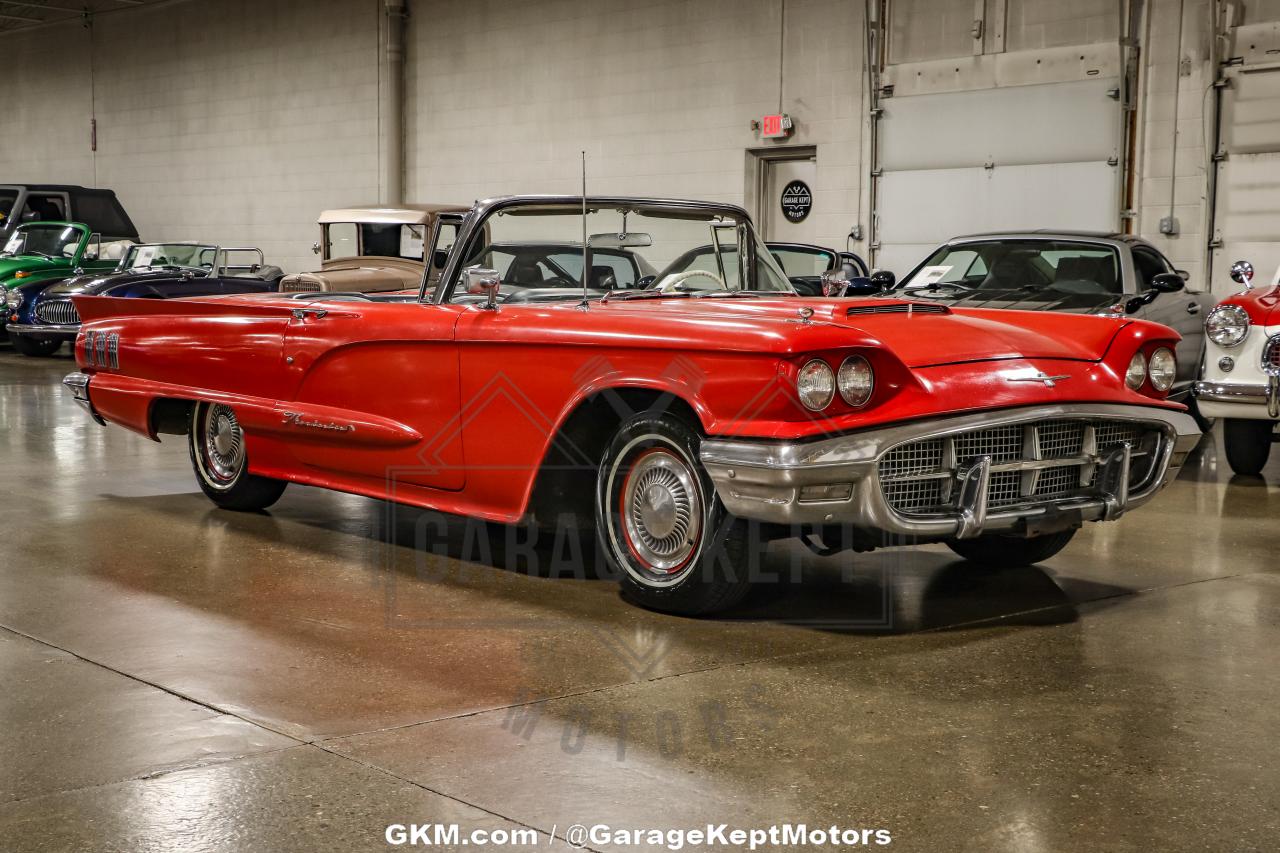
[[672, 282]]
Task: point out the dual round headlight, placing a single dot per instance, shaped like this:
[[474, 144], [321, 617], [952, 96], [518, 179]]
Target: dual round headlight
[[817, 383], [1227, 325], [1162, 369]]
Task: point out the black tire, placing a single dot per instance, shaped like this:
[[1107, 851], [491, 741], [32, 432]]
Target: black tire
[[36, 347], [216, 442], [1248, 444], [1007, 552], [678, 550]]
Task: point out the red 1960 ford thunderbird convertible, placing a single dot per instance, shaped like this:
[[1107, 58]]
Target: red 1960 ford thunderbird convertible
[[565, 366]]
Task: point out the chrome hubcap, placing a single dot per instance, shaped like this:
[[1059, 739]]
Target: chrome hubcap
[[223, 442], [662, 511]]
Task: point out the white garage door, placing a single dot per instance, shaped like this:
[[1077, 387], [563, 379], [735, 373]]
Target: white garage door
[[1247, 210], [1021, 157]]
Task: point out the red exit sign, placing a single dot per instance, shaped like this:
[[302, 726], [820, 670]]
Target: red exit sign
[[775, 127]]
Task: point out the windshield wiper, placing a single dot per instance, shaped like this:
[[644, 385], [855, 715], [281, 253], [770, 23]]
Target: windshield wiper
[[39, 253]]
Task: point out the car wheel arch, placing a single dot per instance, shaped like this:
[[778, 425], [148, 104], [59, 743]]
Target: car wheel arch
[[565, 479]]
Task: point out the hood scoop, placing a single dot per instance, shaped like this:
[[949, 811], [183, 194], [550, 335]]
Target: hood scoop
[[898, 308]]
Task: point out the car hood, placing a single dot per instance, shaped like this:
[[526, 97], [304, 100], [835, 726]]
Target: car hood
[[10, 266], [920, 334], [1262, 304], [92, 283], [363, 279]]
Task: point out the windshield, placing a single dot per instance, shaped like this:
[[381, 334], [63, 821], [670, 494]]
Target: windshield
[[374, 239], [169, 255], [1051, 268], [7, 198], [537, 254], [802, 261], [46, 241]]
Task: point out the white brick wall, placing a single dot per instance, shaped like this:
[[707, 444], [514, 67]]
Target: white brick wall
[[238, 120], [233, 121], [660, 94]]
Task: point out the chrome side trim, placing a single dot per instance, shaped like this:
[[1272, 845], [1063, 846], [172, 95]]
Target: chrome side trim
[[79, 385], [762, 479]]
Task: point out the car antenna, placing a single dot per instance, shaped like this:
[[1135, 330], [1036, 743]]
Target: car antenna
[[584, 304]]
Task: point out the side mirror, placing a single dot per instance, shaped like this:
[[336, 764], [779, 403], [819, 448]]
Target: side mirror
[[885, 279], [481, 281], [1242, 273], [1167, 282]]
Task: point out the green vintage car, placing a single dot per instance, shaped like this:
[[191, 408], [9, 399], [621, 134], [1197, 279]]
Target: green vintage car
[[41, 253]]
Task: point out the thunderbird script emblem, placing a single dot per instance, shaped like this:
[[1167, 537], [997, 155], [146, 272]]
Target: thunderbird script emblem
[[1041, 377]]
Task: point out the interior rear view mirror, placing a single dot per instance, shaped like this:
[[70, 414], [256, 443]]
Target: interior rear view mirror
[[438, 258], [619, 241]]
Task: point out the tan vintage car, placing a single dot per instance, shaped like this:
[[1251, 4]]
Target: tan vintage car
[[375, 249]]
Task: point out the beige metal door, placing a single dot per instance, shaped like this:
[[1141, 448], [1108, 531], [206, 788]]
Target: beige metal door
[[797, 220]]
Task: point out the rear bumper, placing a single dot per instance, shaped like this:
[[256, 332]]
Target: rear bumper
[[1240, 400], [836, 481], [79, 385]]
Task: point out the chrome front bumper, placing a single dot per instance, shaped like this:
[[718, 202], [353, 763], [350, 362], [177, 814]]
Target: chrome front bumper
[[1238, 392], [32, 329], [79, 385], [835, 481]]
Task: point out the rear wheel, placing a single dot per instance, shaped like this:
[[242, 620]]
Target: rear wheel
[[216, 441], [660, 523], [1005, 552], [36, 347], [1248, 444]]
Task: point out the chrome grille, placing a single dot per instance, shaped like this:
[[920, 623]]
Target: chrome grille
[[1002, 444], [58, 312], [922, 477], [298, 284], [899, 308], [1271, 355]]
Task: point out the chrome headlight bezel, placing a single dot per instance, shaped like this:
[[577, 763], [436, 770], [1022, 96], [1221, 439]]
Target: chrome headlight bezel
[[856, 381], [1135, 376], [12, 298], [1163, 375], [816, 384], [1227, 326]]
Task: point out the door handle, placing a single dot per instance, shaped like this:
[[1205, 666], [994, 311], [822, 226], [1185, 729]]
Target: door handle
[[301, 313], [1193, 308]]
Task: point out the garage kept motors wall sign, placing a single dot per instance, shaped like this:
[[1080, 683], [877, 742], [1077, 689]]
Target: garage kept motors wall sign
[[797, 201]]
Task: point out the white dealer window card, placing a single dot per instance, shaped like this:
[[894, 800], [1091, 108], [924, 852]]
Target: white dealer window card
[[930, 275], [14, 244], [145, 256]]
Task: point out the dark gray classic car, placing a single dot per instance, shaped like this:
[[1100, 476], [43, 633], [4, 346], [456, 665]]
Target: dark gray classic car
[[1079, 272]]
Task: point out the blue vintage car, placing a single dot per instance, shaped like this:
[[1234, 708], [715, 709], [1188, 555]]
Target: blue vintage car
[[41, 316]]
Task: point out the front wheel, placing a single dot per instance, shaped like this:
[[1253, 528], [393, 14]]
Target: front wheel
[[1248, 444], [216, 441], [1007, 552], [660, 523], [36, 347]]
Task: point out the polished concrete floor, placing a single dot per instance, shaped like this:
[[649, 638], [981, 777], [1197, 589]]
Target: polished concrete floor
[[174, 677]]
